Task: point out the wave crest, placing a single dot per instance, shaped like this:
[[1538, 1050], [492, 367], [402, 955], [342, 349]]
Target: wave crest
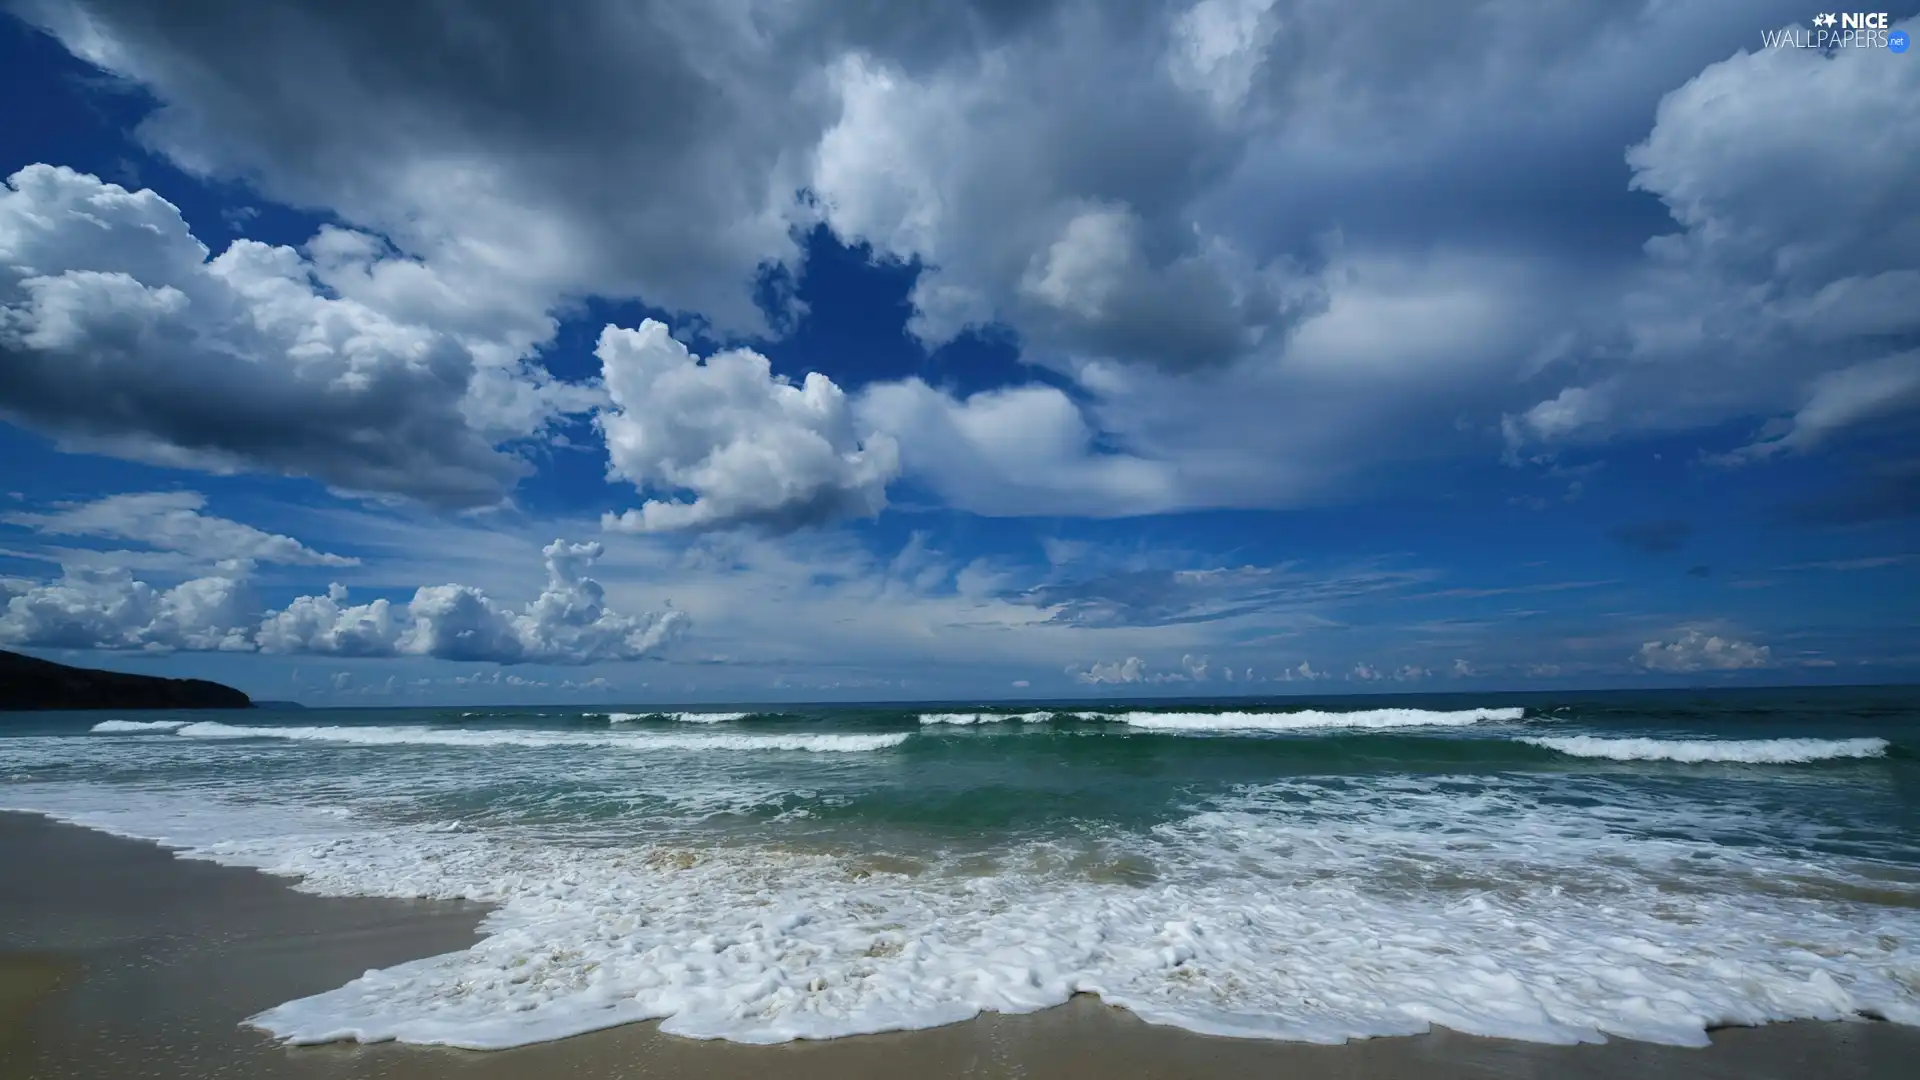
[[1313, 719], [965, 719], [677, 717], [409, 736], [134, 727], [1696, 751]]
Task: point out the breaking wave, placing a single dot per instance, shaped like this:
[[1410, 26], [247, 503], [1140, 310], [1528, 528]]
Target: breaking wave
[[1294, 720], [412, 736], [1693, 751], [134, 727], [678, 717]]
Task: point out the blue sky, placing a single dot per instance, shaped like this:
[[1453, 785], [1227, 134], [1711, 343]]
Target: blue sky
[[751, 351]]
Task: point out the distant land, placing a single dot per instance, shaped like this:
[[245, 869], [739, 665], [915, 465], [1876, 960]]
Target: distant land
[[29, 683]]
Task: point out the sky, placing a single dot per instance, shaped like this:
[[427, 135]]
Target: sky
[[358, 353]]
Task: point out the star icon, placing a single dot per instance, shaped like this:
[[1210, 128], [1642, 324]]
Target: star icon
[[1824, 20]]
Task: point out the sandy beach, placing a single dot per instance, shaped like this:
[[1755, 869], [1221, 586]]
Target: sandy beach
[[119, 960]]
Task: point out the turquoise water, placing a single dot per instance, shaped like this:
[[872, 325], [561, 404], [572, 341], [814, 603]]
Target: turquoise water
[[1569, 868]]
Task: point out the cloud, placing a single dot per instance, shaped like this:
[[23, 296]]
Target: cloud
[[1013, 451], [172, 521], [1654, 537], [1763, 304], [1001, 203], [1868, 562], [1158, 597], [1194, 214], [1838, 400], [1695, 650], [107, 609], [1131, 670], [121, 336], [1364, 672], [496, 678], [1134, 670], [1305, 673], [1477, 593], [567, 624], [753, 448], [513, 165]]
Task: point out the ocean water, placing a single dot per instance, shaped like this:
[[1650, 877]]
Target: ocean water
[[1558, 869]]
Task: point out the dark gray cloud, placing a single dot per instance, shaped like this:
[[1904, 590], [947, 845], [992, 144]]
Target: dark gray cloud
[[541, 152], [1272, 244], [117, 335]]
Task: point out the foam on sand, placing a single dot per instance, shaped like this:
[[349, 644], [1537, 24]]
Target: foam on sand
[[678, 717], [460, 737], [1294, 911], [1694, 751], [134, 727], [1312, 719]]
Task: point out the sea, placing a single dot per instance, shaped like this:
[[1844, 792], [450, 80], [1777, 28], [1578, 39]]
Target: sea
[[1555, 868]]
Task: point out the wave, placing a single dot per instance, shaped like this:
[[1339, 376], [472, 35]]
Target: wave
[[1695, 751], [133, 727], [414, 736], [964, 719], [1294, 720], [676, 717], [1312, 719]]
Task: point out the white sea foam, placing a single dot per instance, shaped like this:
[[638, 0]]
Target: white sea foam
[[462, 737], [1315, 910], [1294, 911], [133, 727], [965, 719], [1311, 719], [1750, 751], [1295, 720], [679, 717]]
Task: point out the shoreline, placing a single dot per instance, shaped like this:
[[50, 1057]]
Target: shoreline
[[119, 959]]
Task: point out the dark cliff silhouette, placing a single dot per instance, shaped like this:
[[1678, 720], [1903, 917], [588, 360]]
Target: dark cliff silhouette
[[27, 683]]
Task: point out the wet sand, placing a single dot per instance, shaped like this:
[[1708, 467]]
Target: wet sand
[[118, 960]]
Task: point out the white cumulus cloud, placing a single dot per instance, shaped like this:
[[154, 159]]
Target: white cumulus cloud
[[119, 334], [751, 447], [89, 608], [569, 623], [1697, 650], [1135, 670]]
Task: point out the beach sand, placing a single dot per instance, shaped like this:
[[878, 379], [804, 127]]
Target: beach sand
[[118, 960]]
